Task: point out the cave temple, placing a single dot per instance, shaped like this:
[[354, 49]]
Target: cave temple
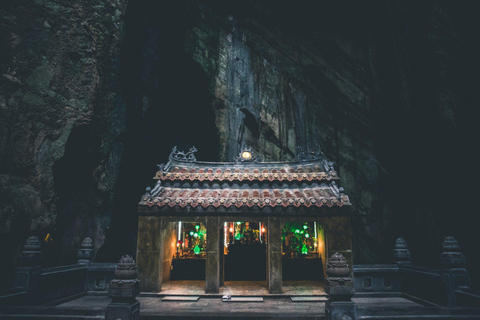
[[242, 220]]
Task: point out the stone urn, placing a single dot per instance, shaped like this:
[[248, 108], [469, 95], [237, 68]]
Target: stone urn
[[126, 268], [86, 252], [451, 256], [337, 266], [31, 253], [401, 254]]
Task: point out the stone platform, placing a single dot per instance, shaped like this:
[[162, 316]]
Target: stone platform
[[93, 306], [243, 288]]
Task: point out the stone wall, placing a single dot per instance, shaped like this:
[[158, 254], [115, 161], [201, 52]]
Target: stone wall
[[60, 118]]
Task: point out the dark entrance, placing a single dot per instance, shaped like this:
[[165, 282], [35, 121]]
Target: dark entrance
[[245, 251]]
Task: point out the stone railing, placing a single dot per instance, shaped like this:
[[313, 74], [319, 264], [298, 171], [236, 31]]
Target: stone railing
[[34, 285], [447, 286]]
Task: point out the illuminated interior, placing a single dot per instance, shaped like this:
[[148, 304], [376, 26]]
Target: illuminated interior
[[188, 256], [191, 240], [303, 251], [245, 250], [243, 233]]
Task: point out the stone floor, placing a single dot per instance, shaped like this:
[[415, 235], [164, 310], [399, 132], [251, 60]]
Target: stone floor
[[210, 307], [243, 288], [93, 306]]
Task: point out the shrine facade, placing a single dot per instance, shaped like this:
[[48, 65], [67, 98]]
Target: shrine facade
[[242, 220]]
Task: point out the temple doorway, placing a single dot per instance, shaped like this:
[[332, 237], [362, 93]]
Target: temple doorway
[[244, 248], [188, 256], [303, 251]]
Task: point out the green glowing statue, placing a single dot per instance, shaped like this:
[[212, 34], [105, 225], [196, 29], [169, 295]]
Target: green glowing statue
[[196, 250]]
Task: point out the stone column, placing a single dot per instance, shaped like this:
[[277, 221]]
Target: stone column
[[340, 288], [454, 273], [221, 253], [212, 267], [123, 290], [274, 255], [149, 253], [86, 253], [401, 254], [28, 270]]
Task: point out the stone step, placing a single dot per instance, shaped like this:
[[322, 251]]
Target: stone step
[[47, 313]]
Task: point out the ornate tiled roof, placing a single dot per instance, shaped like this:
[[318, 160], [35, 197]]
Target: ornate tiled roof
[[246, 197], [185, 182], [234, 173]]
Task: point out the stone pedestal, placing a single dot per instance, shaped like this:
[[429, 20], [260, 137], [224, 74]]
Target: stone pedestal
[[274, 256], [123, 290], [340, 288]]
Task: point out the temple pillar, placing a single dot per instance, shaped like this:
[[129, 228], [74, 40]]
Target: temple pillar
[[274, 255], [149, 253], [213, 265]]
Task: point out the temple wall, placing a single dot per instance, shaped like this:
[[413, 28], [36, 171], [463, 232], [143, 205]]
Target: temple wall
[[149, 250]]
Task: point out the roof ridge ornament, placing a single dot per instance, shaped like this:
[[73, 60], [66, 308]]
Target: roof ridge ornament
[[303, 155], [246, 155], [183, 156]]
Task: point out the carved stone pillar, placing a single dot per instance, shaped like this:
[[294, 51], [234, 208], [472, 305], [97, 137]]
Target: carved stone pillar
[[123, 290], [212, 264], [28, 270], [149, 253], [86, 253], [340, 288], [454, 273], [401, 254], [274, 256]]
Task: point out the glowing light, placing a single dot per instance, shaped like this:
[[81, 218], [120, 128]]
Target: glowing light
[[246, 155], [297, 231], [305, 227], [307, 235], [48, 238], [304, 249], [196, 250], [179, 230], [195, 235], [197, 227], [191, 233], [263, 229], [315, 244], [238, 222], [231, 229]]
